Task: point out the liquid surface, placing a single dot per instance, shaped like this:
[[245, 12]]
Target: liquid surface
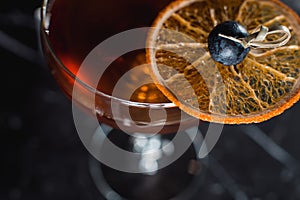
[[76, 27]]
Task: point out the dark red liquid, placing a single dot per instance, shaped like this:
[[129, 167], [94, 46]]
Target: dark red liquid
[[76, 27]]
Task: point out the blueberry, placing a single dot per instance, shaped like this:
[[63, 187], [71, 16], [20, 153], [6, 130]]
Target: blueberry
[[226, 51]]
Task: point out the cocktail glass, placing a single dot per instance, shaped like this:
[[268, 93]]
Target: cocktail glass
[[156, 143]]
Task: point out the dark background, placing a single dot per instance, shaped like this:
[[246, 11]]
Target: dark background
[[43, 158]]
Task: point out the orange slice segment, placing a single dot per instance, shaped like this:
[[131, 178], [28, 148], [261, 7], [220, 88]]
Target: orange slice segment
[[264, 85]]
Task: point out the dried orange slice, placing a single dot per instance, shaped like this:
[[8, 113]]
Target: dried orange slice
[[262, 86]]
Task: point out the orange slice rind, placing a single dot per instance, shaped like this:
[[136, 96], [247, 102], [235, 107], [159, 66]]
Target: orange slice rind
[[261, 87]]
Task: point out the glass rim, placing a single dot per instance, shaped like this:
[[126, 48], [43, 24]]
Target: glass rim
[[95, 91]]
